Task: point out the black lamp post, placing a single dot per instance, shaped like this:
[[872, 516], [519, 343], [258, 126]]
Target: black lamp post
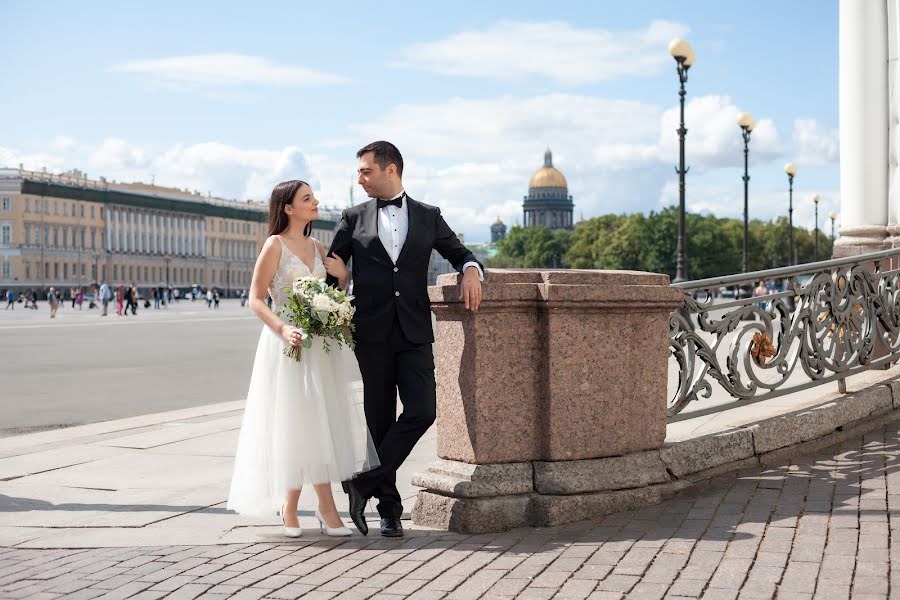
[[791, 170], [746, 123], [832, 216], [815, 200], [684, 57]]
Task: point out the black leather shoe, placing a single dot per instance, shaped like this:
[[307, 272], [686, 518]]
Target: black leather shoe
[[391, 527], [357, 507]]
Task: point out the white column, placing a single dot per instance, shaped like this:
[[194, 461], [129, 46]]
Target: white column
[[193, 237], [119, 230], [169, 249], [145, 233], [108, 230], [132, 247], [203, 237], [863, 108], [140, 231], [893, 34]]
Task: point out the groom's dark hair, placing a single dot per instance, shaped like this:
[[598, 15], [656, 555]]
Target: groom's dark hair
[[385, 153]]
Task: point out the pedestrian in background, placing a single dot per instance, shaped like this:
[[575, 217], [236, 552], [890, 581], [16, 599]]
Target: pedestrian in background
[[53, 299], [79, 298], [133, 295], [120, 299], [10, 300], [104, 297]]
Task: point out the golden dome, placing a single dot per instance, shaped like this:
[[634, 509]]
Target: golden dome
[[548, 176]]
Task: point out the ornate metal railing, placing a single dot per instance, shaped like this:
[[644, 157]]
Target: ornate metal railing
[[824, 322]]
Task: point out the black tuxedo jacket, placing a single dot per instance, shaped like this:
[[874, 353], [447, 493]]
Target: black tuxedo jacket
[[382, 289]]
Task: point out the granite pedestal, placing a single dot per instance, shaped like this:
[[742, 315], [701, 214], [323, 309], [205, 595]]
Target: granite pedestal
[[548, 398]]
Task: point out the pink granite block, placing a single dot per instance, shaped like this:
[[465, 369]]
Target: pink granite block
[[545, 369]]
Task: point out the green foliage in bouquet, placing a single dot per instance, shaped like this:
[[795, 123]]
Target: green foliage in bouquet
[[319, 311]]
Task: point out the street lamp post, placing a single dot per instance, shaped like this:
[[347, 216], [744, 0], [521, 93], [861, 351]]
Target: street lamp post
[[815, 200], [683, 54], [832, 216], [746, 123], [791, 170]]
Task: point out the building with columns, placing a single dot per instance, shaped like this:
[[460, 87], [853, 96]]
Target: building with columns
[[548, 202], [869, 126], [70, 231]]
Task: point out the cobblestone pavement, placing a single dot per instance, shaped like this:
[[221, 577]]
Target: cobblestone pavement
[[821, 527]]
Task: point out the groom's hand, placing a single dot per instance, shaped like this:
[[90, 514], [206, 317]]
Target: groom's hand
[[470, 290]]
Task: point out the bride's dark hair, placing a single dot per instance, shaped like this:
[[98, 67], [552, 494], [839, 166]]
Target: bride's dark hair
[[283, 195]]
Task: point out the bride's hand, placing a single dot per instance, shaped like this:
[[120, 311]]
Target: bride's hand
[[292, 335], [335, 266]]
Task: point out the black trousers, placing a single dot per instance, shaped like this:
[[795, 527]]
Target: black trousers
[[388, 367]]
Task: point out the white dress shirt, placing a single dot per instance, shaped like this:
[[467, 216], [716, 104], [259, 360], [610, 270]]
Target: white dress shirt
[[393, 225]]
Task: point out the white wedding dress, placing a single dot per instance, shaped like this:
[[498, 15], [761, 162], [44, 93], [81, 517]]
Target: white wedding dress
[[304, 421]]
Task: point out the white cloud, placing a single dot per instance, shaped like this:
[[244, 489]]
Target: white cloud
[[225, 171], [553, 50], [474, 158], [224, 70], [815, 145], [728, 201], [714, 138]]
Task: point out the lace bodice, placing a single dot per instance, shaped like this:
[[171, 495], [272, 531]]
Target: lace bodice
[[290, 267]]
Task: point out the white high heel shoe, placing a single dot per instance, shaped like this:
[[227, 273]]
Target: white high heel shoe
[[292, 532], [332, 531]]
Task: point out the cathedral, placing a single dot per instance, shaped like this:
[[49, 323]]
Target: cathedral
[[548, 202]]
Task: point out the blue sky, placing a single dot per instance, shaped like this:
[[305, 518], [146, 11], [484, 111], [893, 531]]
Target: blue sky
[[230, 98]]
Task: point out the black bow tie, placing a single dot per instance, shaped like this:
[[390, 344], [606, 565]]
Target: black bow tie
[[398, 202]]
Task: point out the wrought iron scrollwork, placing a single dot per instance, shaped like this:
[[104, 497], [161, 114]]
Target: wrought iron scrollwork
[[830, 320]]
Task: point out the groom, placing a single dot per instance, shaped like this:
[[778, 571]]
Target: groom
[[390, 239]]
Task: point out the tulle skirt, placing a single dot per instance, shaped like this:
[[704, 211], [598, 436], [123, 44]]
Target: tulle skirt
[[304, 423]]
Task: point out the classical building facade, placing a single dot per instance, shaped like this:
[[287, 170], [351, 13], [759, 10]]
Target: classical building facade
[[69, 231], [548, 202]]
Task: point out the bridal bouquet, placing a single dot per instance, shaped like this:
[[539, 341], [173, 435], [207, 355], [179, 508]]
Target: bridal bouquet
[[318, 310]]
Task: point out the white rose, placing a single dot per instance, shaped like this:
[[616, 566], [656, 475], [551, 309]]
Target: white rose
[[321, 302]]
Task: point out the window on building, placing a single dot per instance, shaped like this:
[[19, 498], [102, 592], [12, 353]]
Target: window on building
[[55, 270], [83, 233], [56, 208], [93, 213], [82, 270], [5, 272], [65, 270], [81, 210], [6, 204], [5, 234], [27, 270], [65, 210], [115, 272], [27, 204]]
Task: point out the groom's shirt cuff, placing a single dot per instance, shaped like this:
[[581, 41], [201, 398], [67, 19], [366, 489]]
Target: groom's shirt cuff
[[477, 266]]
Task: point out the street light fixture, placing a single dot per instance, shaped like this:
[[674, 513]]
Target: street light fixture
[[816, 198], [832, 215], [746, 123], [683, 54], [791, 170]]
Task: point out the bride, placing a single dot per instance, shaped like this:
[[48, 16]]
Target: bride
[[303, 423]]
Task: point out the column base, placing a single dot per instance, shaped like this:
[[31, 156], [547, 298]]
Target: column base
[[861, 240]]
